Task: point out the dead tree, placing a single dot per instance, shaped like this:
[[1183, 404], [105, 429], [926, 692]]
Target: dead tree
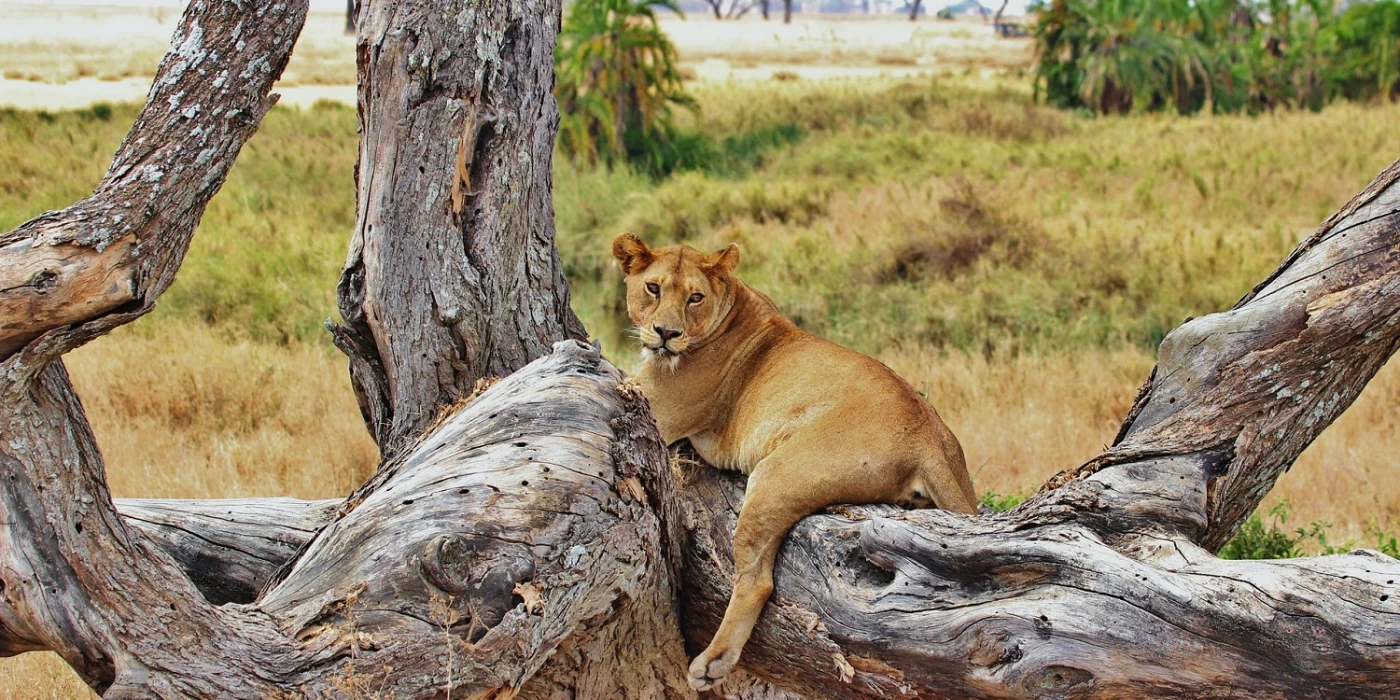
[[398, 588], [535, 541]]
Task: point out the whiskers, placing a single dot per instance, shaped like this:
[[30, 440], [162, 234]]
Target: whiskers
[[653, 350]]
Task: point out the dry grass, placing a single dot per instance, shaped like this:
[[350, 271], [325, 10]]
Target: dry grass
[[1023, 419], [40, 676], [182, 414]]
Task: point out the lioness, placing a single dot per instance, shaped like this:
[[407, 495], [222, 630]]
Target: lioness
[[813, 424]]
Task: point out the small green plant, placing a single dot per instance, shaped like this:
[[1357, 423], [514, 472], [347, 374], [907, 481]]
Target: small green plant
[[1258, 540], [1001, 502]]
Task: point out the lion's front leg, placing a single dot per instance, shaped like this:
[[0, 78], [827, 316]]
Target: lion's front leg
[[767, 515]]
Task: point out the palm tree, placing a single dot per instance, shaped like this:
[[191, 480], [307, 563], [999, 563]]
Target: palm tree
[[616, 79]]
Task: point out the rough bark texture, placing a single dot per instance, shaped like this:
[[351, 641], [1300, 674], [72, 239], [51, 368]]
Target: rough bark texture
[[452, 274], [513, 544], [530, 542], [231, 549], [81, 271], [517, 548]]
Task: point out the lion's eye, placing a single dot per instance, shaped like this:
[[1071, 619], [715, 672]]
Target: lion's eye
[[696, 298], [653, 289]]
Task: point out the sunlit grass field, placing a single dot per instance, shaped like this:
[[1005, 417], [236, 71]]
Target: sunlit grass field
[[1018, 265]]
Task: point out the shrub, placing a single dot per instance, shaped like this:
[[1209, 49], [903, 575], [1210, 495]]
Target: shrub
[[616, 81], [1120, 56]]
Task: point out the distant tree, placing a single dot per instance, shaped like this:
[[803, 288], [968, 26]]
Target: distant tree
[[787, 11], [914, 10], [350, 16], [734, 9]]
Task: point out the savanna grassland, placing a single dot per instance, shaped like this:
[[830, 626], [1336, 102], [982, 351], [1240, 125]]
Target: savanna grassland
[[1017, 264]]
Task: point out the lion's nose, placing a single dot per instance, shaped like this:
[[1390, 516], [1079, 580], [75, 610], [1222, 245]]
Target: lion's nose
[[666, 333]]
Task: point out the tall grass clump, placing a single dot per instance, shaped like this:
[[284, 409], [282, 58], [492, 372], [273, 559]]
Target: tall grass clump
[[1223, 56]]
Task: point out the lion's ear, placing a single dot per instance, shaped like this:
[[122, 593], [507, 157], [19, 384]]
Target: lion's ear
[[725, 260], [631, 253]]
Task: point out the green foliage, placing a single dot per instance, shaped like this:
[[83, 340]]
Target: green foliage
[[1258, 540], [1001, 502], [1272, 540], [1367, 45], [616, 81], [1121, 56]]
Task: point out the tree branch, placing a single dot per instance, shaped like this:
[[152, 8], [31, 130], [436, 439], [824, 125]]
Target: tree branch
[[77, 273]]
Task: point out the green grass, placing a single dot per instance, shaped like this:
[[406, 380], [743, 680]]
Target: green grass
[[945, 213], [269, 250]]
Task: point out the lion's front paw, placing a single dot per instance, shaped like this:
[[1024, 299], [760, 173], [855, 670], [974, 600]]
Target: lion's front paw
[[710, 667]]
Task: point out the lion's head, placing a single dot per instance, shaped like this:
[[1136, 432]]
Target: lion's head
[[677, 296]]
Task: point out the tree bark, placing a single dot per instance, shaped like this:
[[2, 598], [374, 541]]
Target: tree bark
[[557, 584], [530, 541], [452, 274], [231, 549]]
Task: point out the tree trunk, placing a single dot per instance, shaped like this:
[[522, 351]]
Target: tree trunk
[[513, 550], [452, 274], [764, 5], [350, 16], [996, 18], [529, 541], [914, 10], [787, 11]]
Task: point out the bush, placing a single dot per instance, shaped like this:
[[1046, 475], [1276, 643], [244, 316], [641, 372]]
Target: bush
[[1121, 56]]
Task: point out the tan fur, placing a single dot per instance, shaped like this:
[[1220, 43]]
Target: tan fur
[[813, 424]]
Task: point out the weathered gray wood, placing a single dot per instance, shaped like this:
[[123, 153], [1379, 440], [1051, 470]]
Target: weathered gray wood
[[513, 549], [1049, 600], [229, 548], [74, 579], [1259, 382], [452, 274]]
